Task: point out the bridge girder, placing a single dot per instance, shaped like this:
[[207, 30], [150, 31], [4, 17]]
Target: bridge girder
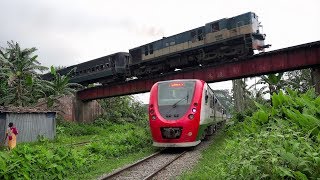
[[291, 58]]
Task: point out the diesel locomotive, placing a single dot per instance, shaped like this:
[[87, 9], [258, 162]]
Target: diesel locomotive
[[183, 112], [227, 39]]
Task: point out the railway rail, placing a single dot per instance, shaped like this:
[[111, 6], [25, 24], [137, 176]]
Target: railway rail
[[148, 167]]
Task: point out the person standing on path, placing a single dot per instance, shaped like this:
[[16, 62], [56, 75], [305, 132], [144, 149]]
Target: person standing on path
[[11, 134]]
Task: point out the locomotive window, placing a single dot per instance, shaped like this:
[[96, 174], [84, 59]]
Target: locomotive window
[[151, 48], [200, 35], [193, 34], [215, 27], [146, 50]]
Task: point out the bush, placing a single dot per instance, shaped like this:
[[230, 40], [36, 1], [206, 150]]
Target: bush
[[278, 142]]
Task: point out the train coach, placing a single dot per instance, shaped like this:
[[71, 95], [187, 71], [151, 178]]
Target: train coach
[[183, 112], [107, 69]]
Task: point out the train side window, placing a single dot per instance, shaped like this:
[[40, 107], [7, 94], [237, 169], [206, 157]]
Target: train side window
[[146, 50], [92, 69], [206, 97], [200, 35], [151, 49], [107, 64], [215, 27], [101, 66]]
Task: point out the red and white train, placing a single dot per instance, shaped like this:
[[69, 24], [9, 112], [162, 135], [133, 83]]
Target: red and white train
[[182, 112]]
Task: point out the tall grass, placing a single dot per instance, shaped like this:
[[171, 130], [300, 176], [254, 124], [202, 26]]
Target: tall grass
[[277, 142]]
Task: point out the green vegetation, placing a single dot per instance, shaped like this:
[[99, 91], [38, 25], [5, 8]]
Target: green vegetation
[[112, 145], [281, 141], [20, 82]]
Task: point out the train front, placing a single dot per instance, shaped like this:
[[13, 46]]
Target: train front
[[174, 112]]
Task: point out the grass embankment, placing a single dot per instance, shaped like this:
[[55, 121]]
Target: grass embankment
[[113, 146], [278, 142]]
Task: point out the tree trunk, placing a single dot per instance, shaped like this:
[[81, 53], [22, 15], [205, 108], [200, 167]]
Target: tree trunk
[[238, 94], [315, 75]]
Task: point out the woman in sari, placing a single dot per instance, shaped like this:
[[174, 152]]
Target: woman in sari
[[12, 133]]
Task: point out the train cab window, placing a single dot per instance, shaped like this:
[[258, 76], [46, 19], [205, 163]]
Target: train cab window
[[200, 35], [215, 27], [146, 50], [151, 49]]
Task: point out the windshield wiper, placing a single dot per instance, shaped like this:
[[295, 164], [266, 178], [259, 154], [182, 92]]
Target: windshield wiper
[[184, 98]]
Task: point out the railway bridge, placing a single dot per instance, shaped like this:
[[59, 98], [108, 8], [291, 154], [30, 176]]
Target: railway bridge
[[290, 58]]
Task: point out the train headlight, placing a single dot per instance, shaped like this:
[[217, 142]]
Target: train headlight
[[191, 116], [153, 117], [194, 110]]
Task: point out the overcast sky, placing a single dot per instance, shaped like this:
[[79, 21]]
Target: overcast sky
[[68, 32]]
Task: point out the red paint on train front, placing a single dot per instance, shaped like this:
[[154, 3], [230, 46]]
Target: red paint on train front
[[189, 126]]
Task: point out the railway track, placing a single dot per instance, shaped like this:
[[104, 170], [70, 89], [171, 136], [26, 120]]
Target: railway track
[[148, 167]]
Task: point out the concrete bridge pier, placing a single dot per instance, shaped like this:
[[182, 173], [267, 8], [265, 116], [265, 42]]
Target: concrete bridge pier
[[315, 74], [86, 111]]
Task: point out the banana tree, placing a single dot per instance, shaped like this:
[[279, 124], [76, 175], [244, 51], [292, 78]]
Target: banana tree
[[19, 72], [59, 87]]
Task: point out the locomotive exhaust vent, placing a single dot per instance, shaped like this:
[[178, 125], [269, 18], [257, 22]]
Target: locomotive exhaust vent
[[171, 132]]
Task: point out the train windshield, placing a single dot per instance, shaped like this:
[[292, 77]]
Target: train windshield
[[175, 93]]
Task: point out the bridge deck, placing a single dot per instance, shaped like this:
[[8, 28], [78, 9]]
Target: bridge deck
[[291, 58]]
